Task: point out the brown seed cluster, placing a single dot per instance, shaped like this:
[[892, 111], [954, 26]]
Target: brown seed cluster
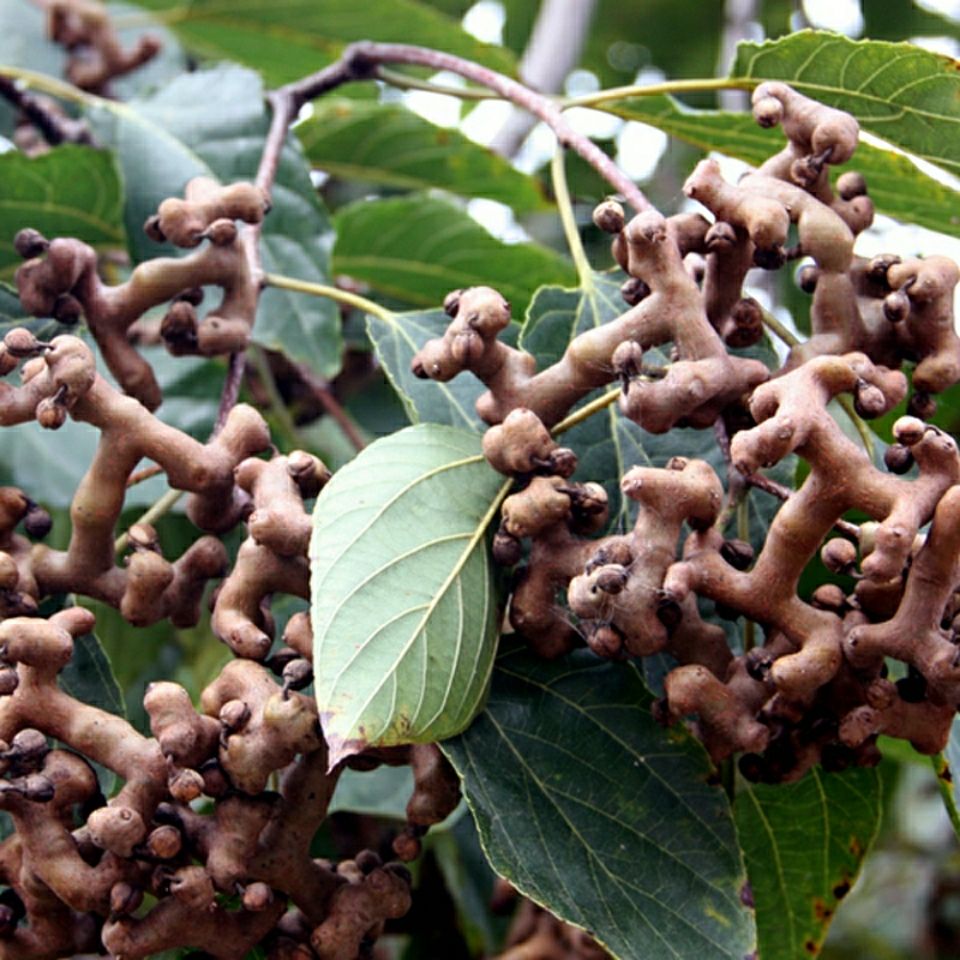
[[816, 689], [207, 843]]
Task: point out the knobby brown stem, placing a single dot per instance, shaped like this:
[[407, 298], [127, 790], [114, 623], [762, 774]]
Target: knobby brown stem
[[285, 104]]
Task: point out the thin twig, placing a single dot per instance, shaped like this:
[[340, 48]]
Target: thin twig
[[848, 529], [556, 42], [346, 297], [159, 509], [285, 104], [778, 490], [587, 411], [743, 533], [145, 474], [603, 401], [704, 85], [321, 390], [261, 364], [779, 330], [56, 129], [405, 81], [736, 485], [231, 390], [561, 191], [285, 107], [782, 492], [361, 61], [723, 440], [863, 431]]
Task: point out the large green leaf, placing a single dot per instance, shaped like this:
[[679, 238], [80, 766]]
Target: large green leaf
[[804, 844], [390, 145], [49, 466], [897, 186], [396, 337], [288, 40], [419, 248], [70, 191], [404, 603], [213, 123], [903, 93], [594, 810]]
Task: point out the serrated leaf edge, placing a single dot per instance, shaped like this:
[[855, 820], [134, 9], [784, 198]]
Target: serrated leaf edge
[[517, 883]]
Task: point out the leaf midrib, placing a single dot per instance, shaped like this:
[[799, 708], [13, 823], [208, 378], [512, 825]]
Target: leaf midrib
[[452, 577]]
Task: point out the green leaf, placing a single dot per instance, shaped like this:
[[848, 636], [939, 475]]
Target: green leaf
[[901, 92], [946, 766], [419, 248], [288, 40], [69, 191], [469, 881], [191, 390], [455, 8], [404, 603], [896, 19], [897, 186], [48, 466], [390, 145], [213, 123], [89, 678], [591, 808], [396, 337], [383, 792], [804, 843]]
